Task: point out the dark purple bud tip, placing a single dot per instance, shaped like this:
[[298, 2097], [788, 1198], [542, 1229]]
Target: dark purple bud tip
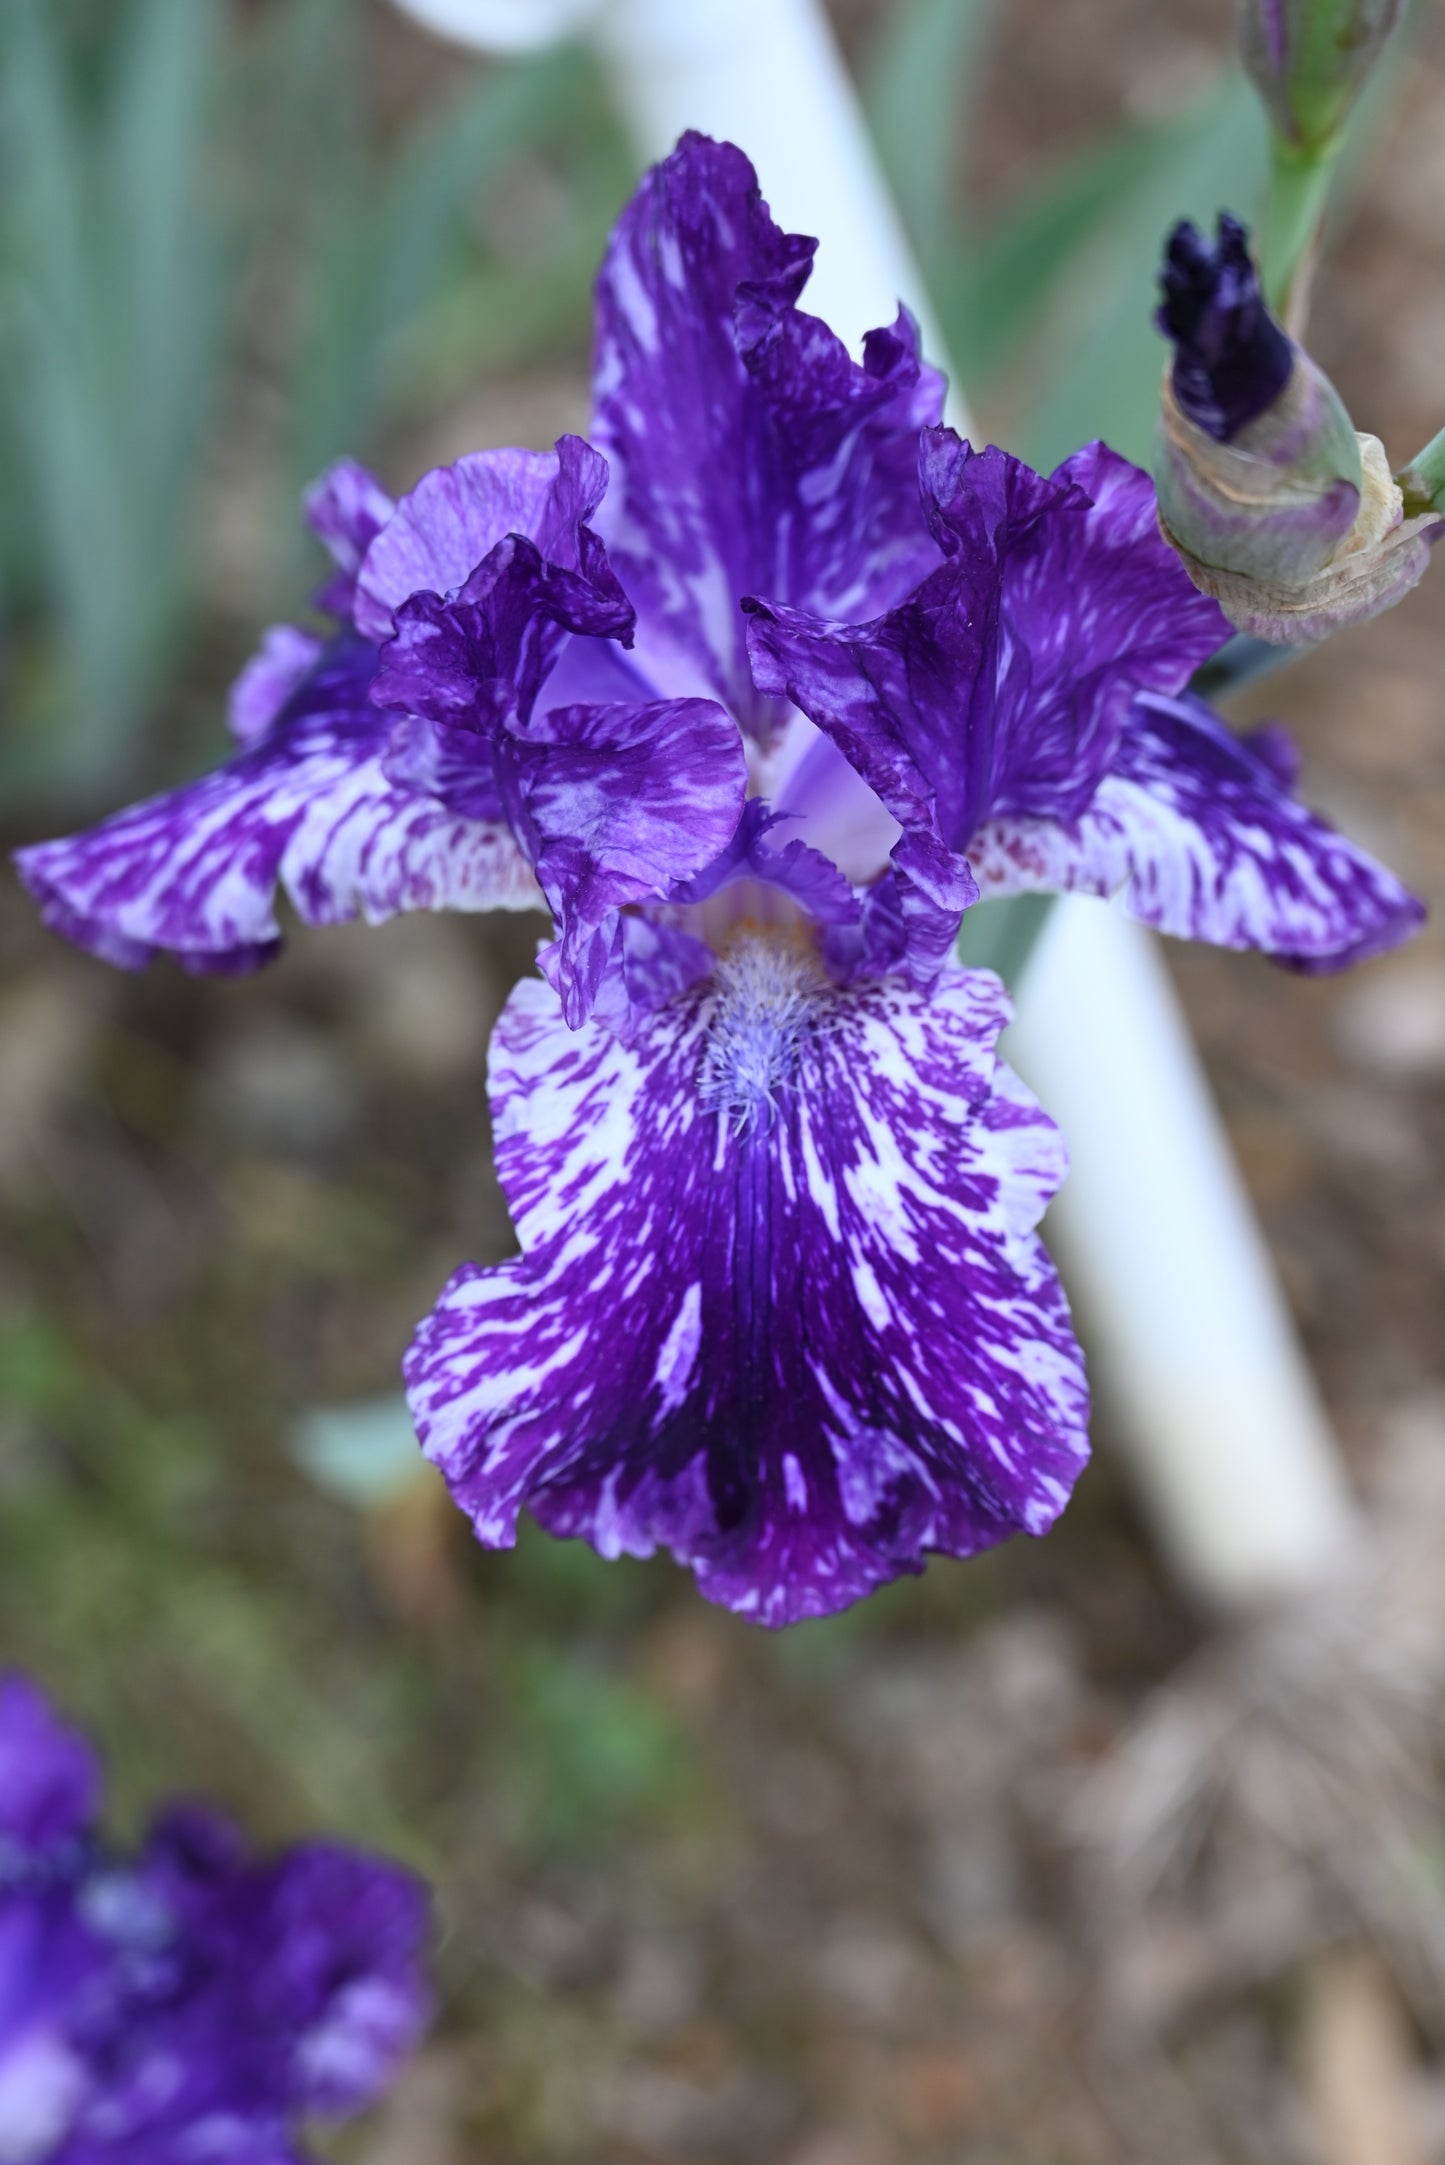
[[1231, 359]]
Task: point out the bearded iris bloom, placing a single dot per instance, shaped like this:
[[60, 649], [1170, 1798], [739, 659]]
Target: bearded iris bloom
[[781, 1307], [188, 2002]]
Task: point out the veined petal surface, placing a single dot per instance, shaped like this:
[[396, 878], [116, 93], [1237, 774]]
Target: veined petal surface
[[615, 805], [276, 671], [780, 1307], [478, 656]]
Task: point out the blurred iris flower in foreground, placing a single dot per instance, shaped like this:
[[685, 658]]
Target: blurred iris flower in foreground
[[760, 690], [190, 2001]]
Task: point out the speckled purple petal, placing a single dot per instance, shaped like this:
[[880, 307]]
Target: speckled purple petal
[[49, 1776], [649, 962], [312, 810], [1003, 681], [780, 1306], [478, 656], [748, 451], [616, 805], [1095, 593], [454, 764], [276, 671], [456, 515], [1202, 835], [244, 1995], [346, 508], [894, 697], [192, 2004]]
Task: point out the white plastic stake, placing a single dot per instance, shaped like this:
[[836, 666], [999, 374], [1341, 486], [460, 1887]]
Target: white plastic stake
[[1179, 1304], [1187, 1329], [502, 26]]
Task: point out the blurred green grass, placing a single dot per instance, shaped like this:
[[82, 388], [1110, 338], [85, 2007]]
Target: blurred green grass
[[217, 247]]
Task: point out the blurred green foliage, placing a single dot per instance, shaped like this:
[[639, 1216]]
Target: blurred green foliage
[[218, 252], [109, 318], [137, 1565], [1047, 304]]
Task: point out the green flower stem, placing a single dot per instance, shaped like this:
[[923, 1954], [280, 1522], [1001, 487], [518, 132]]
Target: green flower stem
[[1423, 480], [1299, 183], [1241, 662]]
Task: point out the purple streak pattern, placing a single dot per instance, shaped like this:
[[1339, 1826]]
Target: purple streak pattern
[[619, 805], [313, 811], [1195, 828], [346, 509], [749, 452], [1004, 680], [456, 516], [1021, 715], [780, 1306]]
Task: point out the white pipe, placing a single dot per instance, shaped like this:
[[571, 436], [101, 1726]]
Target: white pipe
[[1179, 1303], [1188, 1329], [502, 26]]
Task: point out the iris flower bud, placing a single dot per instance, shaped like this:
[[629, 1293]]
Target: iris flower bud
[[1278, 507], [1309, 59]]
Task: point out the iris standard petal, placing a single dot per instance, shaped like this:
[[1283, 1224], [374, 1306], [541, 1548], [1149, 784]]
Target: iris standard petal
[[478, 655], [346, 508], [1003, 682], [749, 452], [455, 516], [276, 671], [780, 1306]]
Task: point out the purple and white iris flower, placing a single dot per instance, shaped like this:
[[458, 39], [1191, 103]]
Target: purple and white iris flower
[[762, 690], [532, 782], [189, 2002]]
